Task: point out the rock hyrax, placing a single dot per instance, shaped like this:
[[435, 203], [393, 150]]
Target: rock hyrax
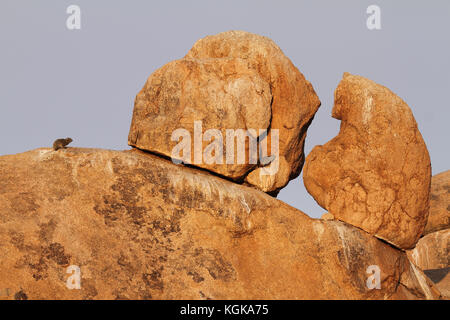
[[61, 143]]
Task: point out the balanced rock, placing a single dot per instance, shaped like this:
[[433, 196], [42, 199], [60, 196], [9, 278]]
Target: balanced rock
[[439, 217], [228, 82], [131, 225], [375, 174]]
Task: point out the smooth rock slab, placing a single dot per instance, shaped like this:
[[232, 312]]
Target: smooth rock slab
[[140, 227]]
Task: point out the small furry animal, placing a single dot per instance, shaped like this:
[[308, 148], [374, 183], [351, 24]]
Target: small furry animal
[[61, 143]]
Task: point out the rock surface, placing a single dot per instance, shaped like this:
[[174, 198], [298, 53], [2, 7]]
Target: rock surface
[[233, 80], [439, 217], [140, 227], [441, 279], [375, 174], [327, 216], [432, 251], [432, 255]]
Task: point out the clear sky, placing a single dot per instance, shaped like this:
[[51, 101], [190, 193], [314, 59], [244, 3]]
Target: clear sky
[[56, 82]]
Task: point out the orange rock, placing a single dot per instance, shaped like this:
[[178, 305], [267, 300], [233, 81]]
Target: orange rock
[[439, 217], [432, 251], [233, 80], [376, 173], [327, 216], [441, 279], [432, 255], [140, 227]]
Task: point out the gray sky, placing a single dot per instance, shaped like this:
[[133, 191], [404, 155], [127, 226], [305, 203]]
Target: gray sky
[[56, 83]]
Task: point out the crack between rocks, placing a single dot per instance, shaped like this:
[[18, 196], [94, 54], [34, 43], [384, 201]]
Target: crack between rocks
[[240, 181]]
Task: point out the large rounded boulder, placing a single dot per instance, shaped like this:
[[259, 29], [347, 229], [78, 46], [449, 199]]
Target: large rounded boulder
[[232, 89]]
